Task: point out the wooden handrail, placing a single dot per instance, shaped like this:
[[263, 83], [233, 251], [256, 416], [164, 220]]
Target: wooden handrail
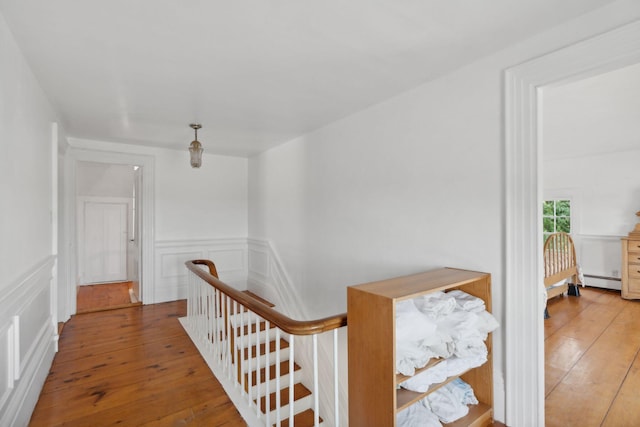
[[288, 325]]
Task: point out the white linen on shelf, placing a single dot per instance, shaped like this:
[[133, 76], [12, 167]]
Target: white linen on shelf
[[438, 325], [415, 332], [467, 302], [417, 415], [410, 356], [449, 402], [486, 323], [436, 304], [447, 368]]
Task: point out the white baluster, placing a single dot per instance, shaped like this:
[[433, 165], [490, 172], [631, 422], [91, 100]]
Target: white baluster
[[228, 336], [278, 400], [242, 350], [213, 322], [267, 374], [257, 330], [235, 360], [291, 358], [336, 421], [249, 358], [316, 404]]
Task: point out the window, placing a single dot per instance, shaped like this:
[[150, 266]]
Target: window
[[556, 216]]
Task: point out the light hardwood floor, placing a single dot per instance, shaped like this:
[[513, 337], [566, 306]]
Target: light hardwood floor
[[131, 367], [592, 361], [104, 297]]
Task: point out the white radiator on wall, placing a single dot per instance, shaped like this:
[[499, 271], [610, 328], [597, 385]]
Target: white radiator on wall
[[600, 255]]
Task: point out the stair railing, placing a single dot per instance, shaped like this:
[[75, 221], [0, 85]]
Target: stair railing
[[234, 330]]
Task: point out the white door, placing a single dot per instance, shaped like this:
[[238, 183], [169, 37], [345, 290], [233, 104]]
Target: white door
[[104, 242]]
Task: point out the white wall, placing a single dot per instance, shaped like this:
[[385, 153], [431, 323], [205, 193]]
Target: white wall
[[104, 180], [606, 187], [209, 202], [27, 292], [409, 184]]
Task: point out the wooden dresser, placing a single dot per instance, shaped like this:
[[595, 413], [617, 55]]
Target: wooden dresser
[[631, 264]]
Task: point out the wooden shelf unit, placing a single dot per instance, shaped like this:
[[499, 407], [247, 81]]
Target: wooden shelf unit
[[374, 397]]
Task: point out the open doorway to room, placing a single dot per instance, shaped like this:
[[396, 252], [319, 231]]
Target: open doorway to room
[[108, 236], [524, 339], [590, 131]]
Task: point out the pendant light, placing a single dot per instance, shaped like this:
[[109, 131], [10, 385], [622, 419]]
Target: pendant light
[[195, 148]]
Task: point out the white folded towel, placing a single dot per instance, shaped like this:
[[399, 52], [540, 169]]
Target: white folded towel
[[417, 415], [422, 381], [411, 324], [410, 356], [463, 392], [436, 304], [486, 323], [467, 302], [414, 331], [470, 347], [459, 324], [448, 402], [458, 365]]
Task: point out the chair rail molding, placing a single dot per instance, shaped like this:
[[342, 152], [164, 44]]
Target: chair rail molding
[[229, 255], [524, 346]]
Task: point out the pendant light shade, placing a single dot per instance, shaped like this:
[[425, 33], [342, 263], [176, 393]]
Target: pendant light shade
[[195, 148]]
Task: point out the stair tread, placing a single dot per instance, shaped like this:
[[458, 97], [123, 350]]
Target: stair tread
[[284, 370], [299, 392], [303, 419], [246, 329], [272, 347]]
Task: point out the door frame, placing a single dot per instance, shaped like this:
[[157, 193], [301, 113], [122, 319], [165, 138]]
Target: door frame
[[81, 204], [524, 294], [74, 155]]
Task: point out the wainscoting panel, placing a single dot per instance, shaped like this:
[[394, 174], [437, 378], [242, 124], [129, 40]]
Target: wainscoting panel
[[229, 255], [268, 278], [600, 256], [28, 336]]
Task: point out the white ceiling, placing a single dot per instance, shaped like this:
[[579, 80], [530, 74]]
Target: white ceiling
[[255, 73]]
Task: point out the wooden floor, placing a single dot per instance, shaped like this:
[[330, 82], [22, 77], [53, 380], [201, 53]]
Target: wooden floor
[[131, 367], [105, 296], [592, 360]]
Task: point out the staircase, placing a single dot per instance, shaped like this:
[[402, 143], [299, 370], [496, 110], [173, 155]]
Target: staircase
[[253, 372], [251, 349]]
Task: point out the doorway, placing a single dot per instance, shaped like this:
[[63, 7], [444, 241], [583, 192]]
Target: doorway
[[524, 296], [108, 216]]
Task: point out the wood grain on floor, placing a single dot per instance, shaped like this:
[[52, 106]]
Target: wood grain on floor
[[592, 363], [132, 367], [105, 296]]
